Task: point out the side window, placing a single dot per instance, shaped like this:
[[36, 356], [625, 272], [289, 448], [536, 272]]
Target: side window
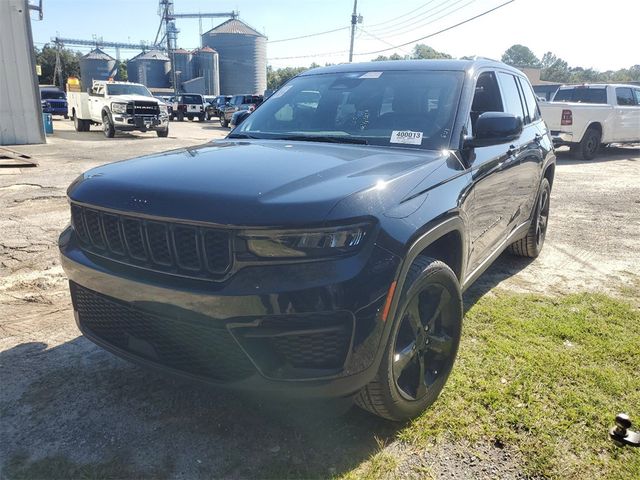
[[625, 96], [486, 97], [636, 92], [511, 95], [530, 101]]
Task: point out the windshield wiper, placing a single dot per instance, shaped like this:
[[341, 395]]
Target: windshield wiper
[[325, 138], [240, 135]]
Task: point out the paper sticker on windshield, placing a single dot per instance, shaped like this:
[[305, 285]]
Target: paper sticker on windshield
[[406, 136], [282, 91], [371, 75]]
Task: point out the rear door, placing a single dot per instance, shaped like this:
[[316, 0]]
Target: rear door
[[627, 119]]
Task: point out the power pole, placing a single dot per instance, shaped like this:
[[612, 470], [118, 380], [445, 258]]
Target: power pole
[[354, 21]]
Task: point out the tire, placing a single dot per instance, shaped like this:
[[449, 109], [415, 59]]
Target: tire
[[66, 117], [107, 126], [201, 118], [79, 124], [181, 117], [399, 391], [531, 245], [223, 122], [589, 145], [163, 133], [190, 118]]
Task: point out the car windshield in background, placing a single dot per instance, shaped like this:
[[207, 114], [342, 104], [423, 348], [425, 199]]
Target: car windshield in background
[[123, 89], [581, 95], [394, 108], [252, 99], [191, 99], [51, 95]]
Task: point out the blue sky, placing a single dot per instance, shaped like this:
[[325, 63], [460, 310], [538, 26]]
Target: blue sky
[[602, 35]]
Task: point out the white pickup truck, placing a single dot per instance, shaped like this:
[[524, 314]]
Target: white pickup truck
[[118, 106], [584, 117]]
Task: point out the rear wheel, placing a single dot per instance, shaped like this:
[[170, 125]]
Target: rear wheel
[[422, 346], [531, 245], [589, 145], [223, 122], [201, 117], [163, 133], [107, 126]]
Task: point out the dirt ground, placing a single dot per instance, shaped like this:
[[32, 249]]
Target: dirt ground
[[65, 402]]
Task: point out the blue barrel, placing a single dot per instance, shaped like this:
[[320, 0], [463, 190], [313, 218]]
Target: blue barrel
[[47, 119]]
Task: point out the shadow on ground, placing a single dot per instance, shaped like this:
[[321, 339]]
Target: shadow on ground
[[608, 154], [77, 411]]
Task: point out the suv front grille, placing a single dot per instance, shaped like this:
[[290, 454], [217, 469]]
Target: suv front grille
[[168, 247], [189, 346], [143, 108]]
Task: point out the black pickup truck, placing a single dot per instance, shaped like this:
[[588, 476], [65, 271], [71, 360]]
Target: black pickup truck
[[322, 248]]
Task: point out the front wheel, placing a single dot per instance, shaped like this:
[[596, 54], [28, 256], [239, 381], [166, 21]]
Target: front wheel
[[531, 245], [422, 345], [224, 122], [108, 127]]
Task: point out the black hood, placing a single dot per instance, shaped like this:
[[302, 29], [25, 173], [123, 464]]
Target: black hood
[[260, 182]]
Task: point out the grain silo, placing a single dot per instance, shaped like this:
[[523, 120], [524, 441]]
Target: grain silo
[[243, 57], [150, 68], [96, 65], [184, 65], [206, 63]]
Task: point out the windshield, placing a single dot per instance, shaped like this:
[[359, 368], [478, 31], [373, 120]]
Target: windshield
[[394, 108], [191, 99], [124, 89], [51, 95], [581, 95]]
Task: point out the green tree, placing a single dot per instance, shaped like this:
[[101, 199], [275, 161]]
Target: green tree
[[422, 51], [122, 71], [554, 69], [520, 56], [46, 58]]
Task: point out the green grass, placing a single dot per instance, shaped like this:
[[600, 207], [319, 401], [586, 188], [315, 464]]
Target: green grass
[[546, 377]]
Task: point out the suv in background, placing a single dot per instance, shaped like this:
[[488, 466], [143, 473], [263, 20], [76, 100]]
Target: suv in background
[[214, 109], [322, 248], [188, 105], [53, 101], [237, 103]]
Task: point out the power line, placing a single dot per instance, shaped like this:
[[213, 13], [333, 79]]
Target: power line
[[419, 23], [439, 31], [340, 52], [393, 20], [307, 36], [381, 40]]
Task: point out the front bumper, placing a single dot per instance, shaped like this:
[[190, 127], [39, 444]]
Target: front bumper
[[303, 329], [128, 122]]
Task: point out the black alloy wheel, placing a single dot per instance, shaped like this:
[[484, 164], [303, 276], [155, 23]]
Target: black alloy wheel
[[422, 345]]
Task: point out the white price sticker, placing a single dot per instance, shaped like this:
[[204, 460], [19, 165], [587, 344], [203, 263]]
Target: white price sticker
[[406, 136], [371, 75]]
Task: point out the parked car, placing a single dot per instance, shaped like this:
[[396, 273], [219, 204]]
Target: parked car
[[239, 102], [238, 117], [188, 105], [118, 106], [53, 100], [586, 117], [215, 108], [322, 248]]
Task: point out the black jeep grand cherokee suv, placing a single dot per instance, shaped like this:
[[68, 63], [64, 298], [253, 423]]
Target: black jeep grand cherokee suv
[[323, 246]]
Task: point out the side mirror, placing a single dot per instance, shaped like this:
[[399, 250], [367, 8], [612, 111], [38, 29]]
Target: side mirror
[[494, 128], [240, 117]]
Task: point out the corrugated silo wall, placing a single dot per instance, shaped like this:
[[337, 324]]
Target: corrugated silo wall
[[132, 71], [183, 65], [208, 69], [96, 69], [243, 62], [153, 73]]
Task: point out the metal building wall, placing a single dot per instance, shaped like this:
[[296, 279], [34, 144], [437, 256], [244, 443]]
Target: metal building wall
[[20, 111], [243, 62], [206, 61]]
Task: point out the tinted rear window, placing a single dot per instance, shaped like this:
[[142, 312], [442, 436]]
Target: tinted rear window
[[252, 99], [581, 95], [191, 99]]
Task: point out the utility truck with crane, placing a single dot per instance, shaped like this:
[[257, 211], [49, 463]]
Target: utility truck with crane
[[117, 106]]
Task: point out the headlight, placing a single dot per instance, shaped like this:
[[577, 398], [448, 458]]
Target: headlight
[[119, 107], [164, 110], [309, 243]]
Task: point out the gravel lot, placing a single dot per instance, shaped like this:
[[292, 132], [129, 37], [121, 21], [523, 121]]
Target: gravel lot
[[62, 398]]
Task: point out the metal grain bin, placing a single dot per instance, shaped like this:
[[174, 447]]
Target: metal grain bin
[[206, 63], [96, 65], [150, 68], [243, 57], [184, 65]]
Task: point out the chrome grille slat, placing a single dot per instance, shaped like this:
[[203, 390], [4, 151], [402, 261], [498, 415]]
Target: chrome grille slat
[[177, 248]]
